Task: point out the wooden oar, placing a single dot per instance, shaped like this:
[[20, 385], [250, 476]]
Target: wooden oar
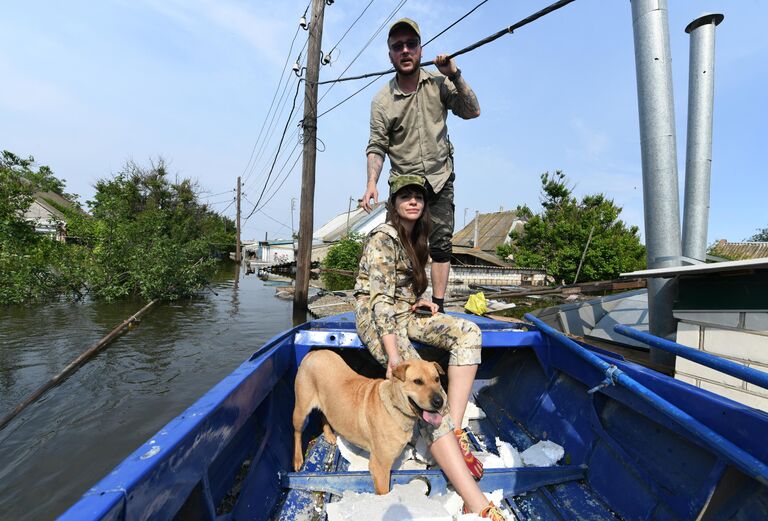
[[76, 363]]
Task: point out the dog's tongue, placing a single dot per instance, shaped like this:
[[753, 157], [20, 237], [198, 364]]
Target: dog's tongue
[[432, 417]]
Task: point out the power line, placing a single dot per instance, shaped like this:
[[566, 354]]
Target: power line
[[508, 30], [349, 29], [265, 214], [298, 84], [214, 195], [285, 65], [277, 114], [220, 202]]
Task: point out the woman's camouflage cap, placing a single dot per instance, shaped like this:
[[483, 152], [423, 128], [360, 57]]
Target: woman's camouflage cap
[[398, 182]]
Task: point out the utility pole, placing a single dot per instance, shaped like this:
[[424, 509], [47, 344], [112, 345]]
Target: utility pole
[[309, 125], [238, 258]]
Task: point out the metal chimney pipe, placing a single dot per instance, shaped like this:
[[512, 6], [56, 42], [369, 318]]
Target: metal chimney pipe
[[476, 237], [698, 152], [653, 64]]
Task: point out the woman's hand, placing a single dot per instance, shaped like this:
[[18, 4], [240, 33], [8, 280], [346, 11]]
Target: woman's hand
[[425, 304], [391, 364]]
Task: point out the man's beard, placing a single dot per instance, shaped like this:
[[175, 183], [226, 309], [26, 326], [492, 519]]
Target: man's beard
[[416, 65]]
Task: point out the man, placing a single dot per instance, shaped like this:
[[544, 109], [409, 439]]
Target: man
[[408, 124]]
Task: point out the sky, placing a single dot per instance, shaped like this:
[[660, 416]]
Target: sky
[[87, 86]]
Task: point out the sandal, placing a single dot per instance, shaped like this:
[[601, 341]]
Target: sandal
[[473, 464], [491, 512]]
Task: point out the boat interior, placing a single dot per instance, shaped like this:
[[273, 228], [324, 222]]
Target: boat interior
[[229, 455]]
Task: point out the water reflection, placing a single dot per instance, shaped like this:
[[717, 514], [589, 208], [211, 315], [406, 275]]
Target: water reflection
[[78, 431]]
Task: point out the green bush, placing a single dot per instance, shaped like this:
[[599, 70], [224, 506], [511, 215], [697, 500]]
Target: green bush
[[145, 236], [344, 255]]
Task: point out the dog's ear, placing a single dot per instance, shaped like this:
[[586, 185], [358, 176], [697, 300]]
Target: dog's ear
[[439, 368], [399, 371]]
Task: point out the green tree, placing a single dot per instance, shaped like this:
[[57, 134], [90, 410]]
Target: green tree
[[760, 236], [147, 236], [344, 255], [42, 179], [150, 235], [556, 238]]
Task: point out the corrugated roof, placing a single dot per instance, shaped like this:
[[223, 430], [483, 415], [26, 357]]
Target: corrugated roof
[[336, 228], [493, 230], [480, 254], [740, 250]]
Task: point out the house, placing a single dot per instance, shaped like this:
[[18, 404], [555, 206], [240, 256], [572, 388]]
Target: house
[[46, 214], [475, 262], [738, 250], [356, 221], [488, 230]]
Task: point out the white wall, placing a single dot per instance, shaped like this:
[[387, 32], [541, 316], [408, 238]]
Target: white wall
[[741, 337]]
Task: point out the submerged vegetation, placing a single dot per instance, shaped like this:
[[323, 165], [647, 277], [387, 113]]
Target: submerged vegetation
[[145, 235]]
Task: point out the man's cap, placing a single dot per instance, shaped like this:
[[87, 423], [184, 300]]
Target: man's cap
[[406, 22], [398, 182]]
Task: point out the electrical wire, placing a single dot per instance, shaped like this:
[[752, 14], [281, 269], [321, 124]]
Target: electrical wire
[[276, 114], [265, 214], [285, 130], [214, 195], [350, 28], [285, 65], [508, 30]]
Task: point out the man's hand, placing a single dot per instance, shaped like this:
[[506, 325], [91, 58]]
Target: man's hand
[[370, 193], [446, 66]]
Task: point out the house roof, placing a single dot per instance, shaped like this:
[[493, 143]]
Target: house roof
[[479, 254], [52, 201], [697, 269], [493, 230], [740, 250], [359, 222]]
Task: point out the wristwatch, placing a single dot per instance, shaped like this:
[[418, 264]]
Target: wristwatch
[[455, 75]]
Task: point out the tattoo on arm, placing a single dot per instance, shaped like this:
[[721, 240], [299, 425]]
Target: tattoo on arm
[[468, 97], [375, 164]]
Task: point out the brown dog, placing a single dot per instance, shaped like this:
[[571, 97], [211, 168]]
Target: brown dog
[[376, 415]]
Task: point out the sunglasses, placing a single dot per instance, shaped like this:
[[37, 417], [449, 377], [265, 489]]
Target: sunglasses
[[412, 44]]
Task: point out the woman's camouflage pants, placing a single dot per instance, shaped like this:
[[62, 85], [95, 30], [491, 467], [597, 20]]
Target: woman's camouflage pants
[[460, 337]]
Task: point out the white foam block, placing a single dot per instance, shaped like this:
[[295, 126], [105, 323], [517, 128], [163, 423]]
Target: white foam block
[[543, 454], [358, 458], [473, 412], [509, 454], [404, 502]]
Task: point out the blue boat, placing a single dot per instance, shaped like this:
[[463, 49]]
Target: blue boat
[[639, 445]]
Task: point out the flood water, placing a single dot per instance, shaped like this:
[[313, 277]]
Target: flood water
[[65, 442]]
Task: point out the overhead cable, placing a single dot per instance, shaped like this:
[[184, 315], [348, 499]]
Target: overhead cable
[[480, 43], [349, 29], [298, 84], [285, 65]]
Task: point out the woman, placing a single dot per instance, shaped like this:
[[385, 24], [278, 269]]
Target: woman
[[389, 313]]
